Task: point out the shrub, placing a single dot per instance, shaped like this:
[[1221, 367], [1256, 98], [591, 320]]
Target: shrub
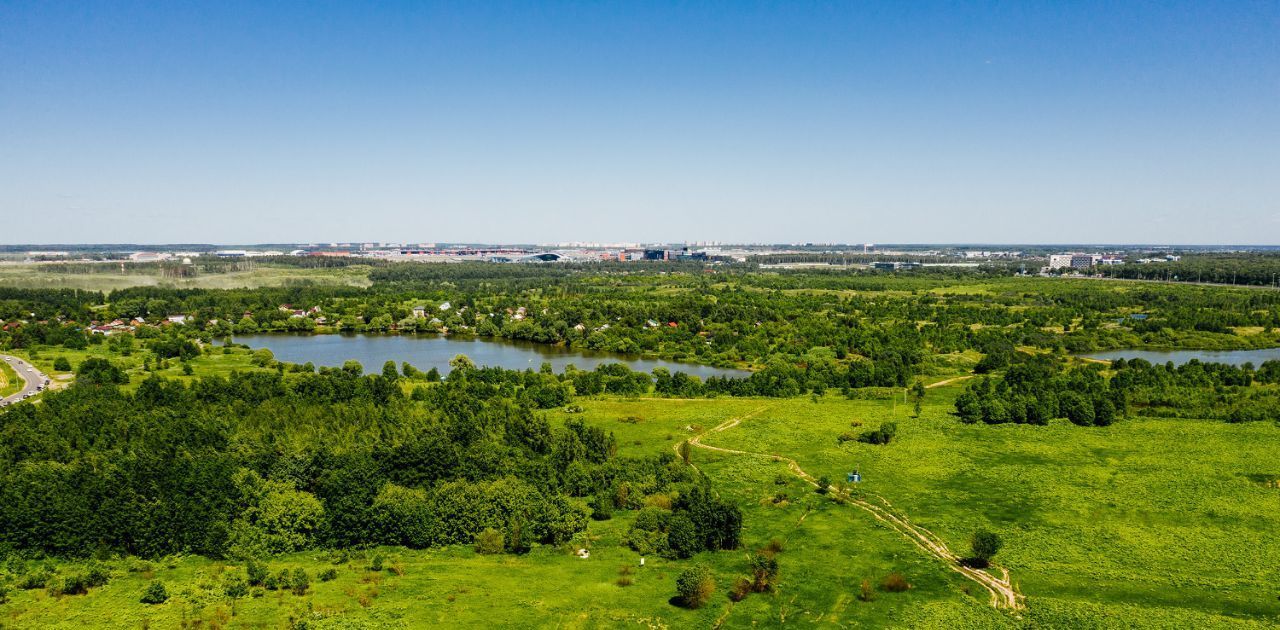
[[96, 576], [883, 435], [155, 593], [68, 585], [764, 572], [824, 484], [34, 580], [489, 541], [694, 586], [774, 546], [257, 573], [894, 583], [4, 593], [740, 589], [327, 575], [61, 364], [299, 581], [235, 587], [865, 592]]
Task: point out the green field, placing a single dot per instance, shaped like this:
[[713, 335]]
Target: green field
[[108, 277]]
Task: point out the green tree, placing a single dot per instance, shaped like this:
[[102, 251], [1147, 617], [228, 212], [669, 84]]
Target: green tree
[[984, 545], [155, 593], [695, 585]]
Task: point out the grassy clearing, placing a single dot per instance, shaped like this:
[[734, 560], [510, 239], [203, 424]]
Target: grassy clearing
[[109, 278], [1158, 515]]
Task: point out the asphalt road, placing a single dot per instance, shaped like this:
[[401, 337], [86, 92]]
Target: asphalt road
[[33, 378]]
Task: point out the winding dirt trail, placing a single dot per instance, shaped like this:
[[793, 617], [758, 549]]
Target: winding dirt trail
[[1002, 592]]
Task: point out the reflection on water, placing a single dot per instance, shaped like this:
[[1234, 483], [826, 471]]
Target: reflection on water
[[1231, 357], [426, 352]]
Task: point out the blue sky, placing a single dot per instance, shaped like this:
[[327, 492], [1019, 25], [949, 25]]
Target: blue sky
[[640, 121]]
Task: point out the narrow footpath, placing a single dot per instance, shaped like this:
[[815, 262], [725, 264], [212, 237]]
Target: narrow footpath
[[1002, 592]]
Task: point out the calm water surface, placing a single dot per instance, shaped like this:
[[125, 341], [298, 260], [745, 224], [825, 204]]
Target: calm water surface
[[1232, 357], [426, 352]]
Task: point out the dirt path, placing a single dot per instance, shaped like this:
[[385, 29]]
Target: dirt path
[[1002, 592], [949, 381]]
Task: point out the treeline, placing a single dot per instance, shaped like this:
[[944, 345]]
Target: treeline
[[1036, 389], [1200, 390], [1254, 269], [261, 463]]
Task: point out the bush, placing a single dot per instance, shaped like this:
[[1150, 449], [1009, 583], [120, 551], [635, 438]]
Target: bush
[[489, 541], [764, 573], [740, 589], [155, 593], [68, 585], [883, 435], [96, 576], [61, 364], [865, 592], [376, 563], [774, 546], [894, 583], [299, 581], [328, 575], [824, 484], [257, 573], [694, 586], [235, 587], [33, 580]]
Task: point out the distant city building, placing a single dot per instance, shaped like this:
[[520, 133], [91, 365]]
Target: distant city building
[[894, 265], [1082, 261], [148, 256]]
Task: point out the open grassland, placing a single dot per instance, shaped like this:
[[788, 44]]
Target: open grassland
[[1164, 518], [1147, 523], [108, 278]]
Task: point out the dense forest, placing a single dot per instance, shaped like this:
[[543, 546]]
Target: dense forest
[[257, 464]]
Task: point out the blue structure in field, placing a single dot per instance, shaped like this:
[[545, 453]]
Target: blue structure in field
[[853, 477]]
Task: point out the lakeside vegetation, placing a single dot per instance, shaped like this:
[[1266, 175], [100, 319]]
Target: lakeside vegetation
[[228, 489]]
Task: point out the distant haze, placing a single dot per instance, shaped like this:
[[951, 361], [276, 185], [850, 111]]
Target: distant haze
[[243, 122]]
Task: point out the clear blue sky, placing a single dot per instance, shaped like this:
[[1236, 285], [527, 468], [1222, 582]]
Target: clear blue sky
[[634, 121]]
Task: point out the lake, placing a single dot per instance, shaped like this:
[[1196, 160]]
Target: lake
[[426, 352], [1232, 357]]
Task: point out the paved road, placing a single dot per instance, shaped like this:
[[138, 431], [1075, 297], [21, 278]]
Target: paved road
[[35, 379]]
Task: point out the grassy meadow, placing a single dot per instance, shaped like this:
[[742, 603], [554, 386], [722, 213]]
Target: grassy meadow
[[108, 277]]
